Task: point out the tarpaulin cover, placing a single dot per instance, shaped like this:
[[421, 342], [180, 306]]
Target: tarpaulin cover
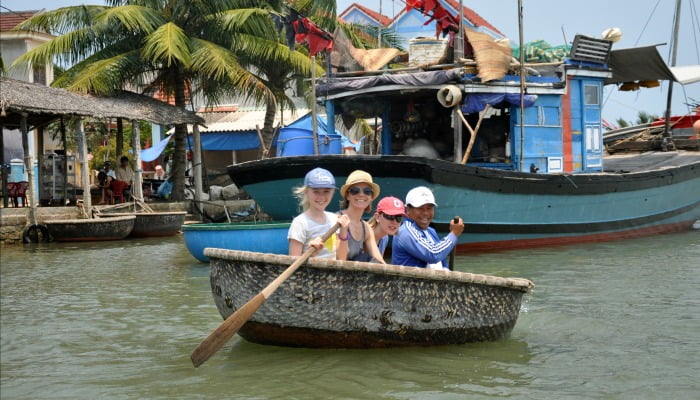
[[152, 153], [474, 103], [246, 140], [638, 64], [412, 79]]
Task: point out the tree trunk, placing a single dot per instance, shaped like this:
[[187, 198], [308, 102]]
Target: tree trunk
[[120, 138], [179, 157], [268, 128]]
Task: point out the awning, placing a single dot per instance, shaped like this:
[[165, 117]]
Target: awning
[[646, 64], [152, 153], [686, 74], [246, 140]]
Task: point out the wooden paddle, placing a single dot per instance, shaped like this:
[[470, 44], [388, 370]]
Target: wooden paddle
[[454, 249], [219, 336]]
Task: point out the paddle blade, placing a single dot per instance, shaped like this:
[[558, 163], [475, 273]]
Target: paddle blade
[[219, 336]]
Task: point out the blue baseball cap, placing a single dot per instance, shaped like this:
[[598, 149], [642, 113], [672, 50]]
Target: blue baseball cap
[[319, 178]]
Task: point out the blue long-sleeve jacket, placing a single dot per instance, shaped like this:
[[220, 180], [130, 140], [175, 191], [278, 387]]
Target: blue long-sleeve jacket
[[412, 247]]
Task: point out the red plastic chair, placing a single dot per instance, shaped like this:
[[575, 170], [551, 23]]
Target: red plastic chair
[[22, 192], [12, 192], [118, 188]]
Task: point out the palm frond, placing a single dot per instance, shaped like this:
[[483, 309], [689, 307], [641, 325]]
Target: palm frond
[[61, 20], [168, 45], [131, 17]]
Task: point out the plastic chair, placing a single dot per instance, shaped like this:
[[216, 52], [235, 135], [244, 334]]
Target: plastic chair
[[118, 188], [12, 192], [21, 193]]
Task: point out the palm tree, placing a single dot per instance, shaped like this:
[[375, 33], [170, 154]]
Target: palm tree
[[181, 48]]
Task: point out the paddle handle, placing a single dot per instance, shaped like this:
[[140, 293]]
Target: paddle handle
[[454, 249], [219, 336]]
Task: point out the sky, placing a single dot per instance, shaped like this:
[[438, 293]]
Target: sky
[[643, 23]]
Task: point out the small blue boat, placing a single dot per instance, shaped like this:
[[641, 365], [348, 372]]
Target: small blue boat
[[263, 237]]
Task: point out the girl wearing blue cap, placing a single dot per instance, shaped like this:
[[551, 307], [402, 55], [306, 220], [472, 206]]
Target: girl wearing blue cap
[[308, 227]]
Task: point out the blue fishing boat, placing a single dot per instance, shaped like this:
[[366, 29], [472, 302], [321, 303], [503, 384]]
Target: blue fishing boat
[[535, 170], [265, 237]]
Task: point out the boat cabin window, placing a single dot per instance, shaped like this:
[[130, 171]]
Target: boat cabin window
[[591, 95]]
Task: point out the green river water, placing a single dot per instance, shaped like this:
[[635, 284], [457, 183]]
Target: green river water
[[118, 320]]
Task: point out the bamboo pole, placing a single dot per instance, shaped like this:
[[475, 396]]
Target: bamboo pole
[[522, 84], [674, 53]]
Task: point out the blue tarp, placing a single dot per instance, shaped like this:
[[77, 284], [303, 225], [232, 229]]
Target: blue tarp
[[474, 103], [246, 140], [152, 153]]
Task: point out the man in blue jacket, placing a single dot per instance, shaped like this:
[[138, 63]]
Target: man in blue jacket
[[417, 244]]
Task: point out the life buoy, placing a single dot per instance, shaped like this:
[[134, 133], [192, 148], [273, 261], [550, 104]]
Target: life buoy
[[449, 96], [36, 233]]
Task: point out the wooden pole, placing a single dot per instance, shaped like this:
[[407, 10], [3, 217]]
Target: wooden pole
[[3, 169], [472, 132], [84, 168], [314, 121], [457, 130], [40, 162], [28, 166], [137, 185], [459, 43], [197, 161], [65, 163]]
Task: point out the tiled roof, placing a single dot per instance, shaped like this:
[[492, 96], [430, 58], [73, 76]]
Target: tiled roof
[[8, 20], [472, 16], [380, 18]]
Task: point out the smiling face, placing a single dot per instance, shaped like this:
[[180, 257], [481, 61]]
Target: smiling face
[[423, 215], [319, 198], [390, 226], [359, 196]]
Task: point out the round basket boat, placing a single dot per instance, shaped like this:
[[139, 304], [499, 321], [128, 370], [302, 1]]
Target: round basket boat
[[153, 224], [262, 237], [340, 304], [83, 230]]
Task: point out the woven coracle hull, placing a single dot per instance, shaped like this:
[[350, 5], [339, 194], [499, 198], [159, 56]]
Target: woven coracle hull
[[154, 224], [336, 304], [83, 230]]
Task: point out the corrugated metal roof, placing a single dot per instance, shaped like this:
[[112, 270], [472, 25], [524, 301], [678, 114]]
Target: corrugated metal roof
[[244, 120]]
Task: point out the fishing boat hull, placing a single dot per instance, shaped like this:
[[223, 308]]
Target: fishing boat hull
[[264, 237], [84, 230], [339, 304], [155, 224], [505, 209]]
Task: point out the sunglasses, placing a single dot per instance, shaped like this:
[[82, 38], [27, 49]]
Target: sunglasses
[[356, 190], [397, 218]]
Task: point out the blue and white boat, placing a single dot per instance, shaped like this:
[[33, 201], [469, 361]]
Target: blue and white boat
[[535, 176], [263, 237]]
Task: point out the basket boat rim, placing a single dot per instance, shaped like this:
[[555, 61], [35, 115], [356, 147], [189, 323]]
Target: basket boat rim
[[521, 284]]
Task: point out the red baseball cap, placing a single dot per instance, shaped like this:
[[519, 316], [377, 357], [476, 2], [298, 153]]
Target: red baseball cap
[[391, 206]]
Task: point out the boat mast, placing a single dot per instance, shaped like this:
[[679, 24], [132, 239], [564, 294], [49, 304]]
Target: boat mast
[[522, 83], [674, 53]]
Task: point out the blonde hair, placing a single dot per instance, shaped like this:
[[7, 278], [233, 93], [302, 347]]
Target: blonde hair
[[301, 194], [373, 221]]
